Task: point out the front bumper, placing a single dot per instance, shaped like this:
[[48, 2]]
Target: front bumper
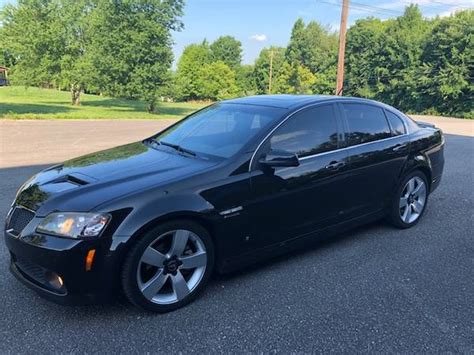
[[35, 257]]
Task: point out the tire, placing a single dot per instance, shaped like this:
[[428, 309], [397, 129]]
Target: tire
[[409, 201], [168, 266]]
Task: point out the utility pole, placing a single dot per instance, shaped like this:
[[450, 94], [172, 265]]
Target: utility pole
[[342, 47], [271, 72]]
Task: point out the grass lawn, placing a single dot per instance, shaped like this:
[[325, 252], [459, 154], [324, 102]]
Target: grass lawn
[[33, 103]]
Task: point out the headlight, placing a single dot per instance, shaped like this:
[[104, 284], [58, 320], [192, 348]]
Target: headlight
[[74, 225]]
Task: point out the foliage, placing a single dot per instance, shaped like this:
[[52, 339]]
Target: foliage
[[188, 75], [134, 58], [447, 73], [262, 68], [122, 48], [412, 63], [217, 81], [212, 72], [312, 50], [227, 50], [245, 80]]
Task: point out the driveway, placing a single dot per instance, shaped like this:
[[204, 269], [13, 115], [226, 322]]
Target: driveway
[[374, 289]]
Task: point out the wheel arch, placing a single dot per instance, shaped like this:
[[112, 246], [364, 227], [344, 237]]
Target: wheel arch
[[418, 162], [192, 216], [195, 217]]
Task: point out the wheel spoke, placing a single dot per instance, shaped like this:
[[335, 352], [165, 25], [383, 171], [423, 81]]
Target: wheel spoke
[[180, 286], [417, 206], [407, 214], [180, 239], [420, 190], [403, 202], [153, 257], [411, 185], [152, 287], [193, 261]]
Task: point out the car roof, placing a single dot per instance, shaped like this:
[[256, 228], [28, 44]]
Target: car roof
[[292, 101]]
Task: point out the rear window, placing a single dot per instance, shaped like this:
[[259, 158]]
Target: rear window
[[396, 123], [366, 123]]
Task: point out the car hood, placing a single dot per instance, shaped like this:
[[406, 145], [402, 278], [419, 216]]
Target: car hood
[[83, 183]]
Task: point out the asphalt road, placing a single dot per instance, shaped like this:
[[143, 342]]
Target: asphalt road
[[375, 289]]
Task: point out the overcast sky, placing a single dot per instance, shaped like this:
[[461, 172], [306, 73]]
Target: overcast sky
[[261, 23]]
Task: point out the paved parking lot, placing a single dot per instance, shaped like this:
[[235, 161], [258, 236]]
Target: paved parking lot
[[375, 289]]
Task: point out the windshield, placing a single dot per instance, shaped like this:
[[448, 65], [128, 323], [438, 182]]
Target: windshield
[[221, 129]]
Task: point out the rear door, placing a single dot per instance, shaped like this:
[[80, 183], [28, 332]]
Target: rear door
[[377, 151]]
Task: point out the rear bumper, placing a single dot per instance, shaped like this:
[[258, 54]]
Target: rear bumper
[[35, 258]]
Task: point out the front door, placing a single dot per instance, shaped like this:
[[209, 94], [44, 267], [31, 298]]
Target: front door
[[288, 202]]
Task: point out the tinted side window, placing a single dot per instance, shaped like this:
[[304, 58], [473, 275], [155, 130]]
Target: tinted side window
[[396, 123], [308, 132], [367, 123]]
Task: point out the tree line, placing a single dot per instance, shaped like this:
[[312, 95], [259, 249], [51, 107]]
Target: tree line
[[116, 48], [123, 48]]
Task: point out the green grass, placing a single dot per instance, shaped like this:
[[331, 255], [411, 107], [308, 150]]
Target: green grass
[[33, 103]]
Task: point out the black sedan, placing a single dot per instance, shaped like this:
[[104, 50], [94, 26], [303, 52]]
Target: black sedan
[[232, 184]]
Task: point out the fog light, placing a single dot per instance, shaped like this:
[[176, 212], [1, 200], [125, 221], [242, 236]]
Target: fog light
[[54, 280]]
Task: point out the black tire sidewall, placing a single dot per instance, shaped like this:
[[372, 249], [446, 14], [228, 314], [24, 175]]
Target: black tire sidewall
[[129, 271], [394, 215]]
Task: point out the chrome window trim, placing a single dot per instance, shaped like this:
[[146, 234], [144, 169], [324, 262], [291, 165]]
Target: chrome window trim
[[330, 151], [352, 146]]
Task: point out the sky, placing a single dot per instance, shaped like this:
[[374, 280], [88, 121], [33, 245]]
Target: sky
[[262, 23]]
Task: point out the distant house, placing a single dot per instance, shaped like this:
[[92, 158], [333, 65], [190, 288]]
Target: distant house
[[3, 76]]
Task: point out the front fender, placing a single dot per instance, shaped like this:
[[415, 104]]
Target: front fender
[[168, 205]]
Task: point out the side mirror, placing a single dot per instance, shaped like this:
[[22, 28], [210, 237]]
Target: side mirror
[[280, 158]]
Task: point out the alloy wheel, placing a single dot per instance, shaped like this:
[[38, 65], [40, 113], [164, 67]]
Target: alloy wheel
[[171, 267], [412, 200]]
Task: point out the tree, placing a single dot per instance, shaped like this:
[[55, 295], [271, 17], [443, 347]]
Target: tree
[[312, 48], [401, 57], [262, 67], [28, 31], [228, 50], [448, 65], [363, 60], [47, 41], [413, 63], [246, 80], [193, 59], [118, 47], [133, 60], [217, 81]]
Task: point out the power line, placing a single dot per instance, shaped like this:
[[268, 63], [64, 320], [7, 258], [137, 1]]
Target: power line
[[440, 3], [367, 8], [384, 11]]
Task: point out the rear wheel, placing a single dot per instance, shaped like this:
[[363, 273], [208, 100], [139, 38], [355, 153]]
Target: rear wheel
[[169, 266], [409, 201]]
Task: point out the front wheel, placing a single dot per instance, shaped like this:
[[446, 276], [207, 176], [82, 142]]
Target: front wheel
[[409, 201], [168, 266]]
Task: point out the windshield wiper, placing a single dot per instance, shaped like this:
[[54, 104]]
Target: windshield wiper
[[177, 148]]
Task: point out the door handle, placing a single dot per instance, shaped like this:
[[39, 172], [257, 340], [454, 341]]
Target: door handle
[[399, 147], [335, 165]]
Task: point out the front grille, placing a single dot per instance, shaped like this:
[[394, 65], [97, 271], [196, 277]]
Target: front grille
[[19, 219]]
